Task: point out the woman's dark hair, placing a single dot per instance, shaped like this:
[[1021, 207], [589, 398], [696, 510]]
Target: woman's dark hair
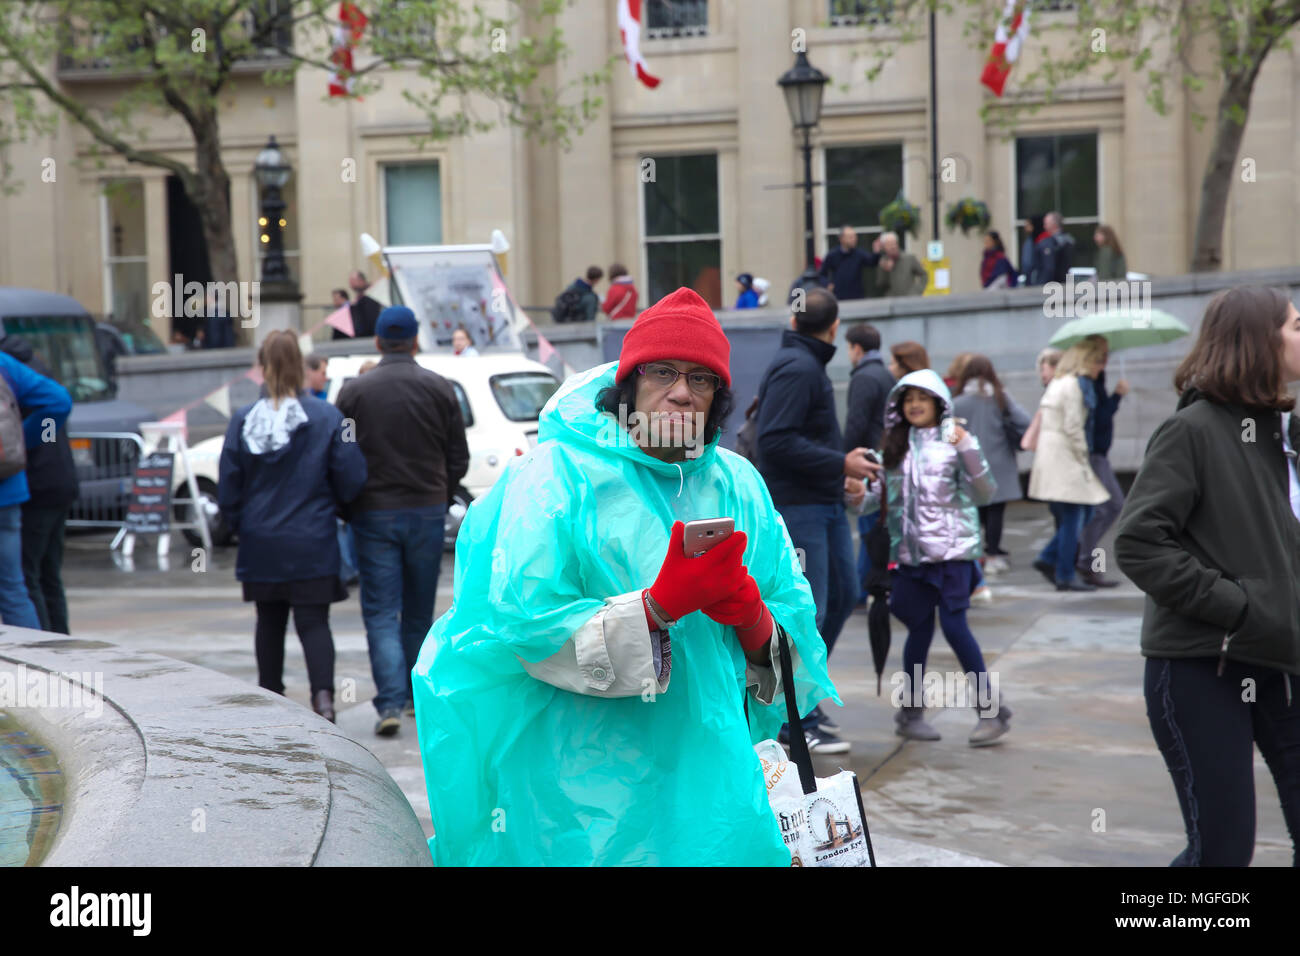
[[616, 271], [624, 394], [912, 356], [1112, 240], [1036, 226], [997, 241], [979, 366], [894, 448], [1237, 358]]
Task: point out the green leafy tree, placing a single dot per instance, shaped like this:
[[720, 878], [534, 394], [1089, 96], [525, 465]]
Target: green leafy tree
[[169, 59], [1160, 41]]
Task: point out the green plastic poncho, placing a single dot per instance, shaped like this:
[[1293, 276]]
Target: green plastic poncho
[[520, 772]]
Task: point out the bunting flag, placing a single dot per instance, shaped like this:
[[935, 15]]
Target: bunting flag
[[352, 23], [180, 416], [341, 319], [544, 349], [254, 375], [629, 28], [1010, 37], [220, 400]]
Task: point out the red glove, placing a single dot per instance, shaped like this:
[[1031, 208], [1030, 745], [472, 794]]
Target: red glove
[[689, 584], [745, 611]]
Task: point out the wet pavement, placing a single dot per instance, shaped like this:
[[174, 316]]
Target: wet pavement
[[1077, 781]]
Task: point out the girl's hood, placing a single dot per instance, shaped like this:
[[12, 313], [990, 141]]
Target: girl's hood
[[926, 379]]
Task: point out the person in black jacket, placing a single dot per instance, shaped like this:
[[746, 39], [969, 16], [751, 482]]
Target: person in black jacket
[[843, 266], [411, 430], [864, 419], [800, 456], [288, 462], [52, 481], [1211, 533]]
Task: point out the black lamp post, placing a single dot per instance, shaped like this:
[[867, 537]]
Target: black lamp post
[[272, 173], [802, 85]]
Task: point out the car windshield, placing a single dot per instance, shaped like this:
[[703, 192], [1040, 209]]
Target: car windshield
[[522, 395], [139, 338], [66, 343]]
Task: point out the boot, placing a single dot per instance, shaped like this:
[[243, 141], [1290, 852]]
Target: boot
[[322, 702], [989, 730], [912, 725]]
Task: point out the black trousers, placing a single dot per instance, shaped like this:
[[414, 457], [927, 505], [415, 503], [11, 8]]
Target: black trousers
[[43, 565], [991, 518], [312, 621], [1207, 728]]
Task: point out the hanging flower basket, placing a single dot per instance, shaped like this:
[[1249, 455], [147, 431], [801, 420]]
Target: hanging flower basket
[[968, 214], [901, 216]]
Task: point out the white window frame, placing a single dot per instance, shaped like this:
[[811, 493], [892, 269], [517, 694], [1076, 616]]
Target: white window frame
[[106, 240], [645, 240]]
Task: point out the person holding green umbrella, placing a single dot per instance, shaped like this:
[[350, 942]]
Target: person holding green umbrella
[[1102, 429]]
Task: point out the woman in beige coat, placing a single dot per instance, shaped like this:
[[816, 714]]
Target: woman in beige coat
[[1062, 474]]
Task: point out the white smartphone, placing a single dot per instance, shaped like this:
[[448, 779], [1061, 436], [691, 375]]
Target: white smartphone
[[700, 536]]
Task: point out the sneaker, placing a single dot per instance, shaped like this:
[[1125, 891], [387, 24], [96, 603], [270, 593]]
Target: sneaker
[[1074, 584], [990, 730], [827, 724], [823, 742], [983, 594], [389, 723], [997, 565], [910, 724], [1096, 580], [1046, 570]]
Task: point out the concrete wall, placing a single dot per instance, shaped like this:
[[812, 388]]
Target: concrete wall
[[1010, 327]]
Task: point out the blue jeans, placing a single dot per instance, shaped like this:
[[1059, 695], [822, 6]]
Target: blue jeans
[[822, 531], [399, 553], [865, 524], [219, 332], [347, 552], [1060, 551], [16, 608]]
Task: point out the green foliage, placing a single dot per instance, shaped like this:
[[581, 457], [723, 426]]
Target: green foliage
[[966, 214], [466, 65], [901, 216]]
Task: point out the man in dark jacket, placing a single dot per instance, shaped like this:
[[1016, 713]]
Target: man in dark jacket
[[1053, 253], [864, 421], [409, 424], [365, 310], [798, 446], [52, 483], [842, 268], [579, 301]]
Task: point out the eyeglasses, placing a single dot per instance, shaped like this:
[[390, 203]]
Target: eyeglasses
[[665, 376]]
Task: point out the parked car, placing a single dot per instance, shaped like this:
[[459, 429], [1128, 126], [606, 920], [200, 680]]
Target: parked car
[[63, 335], [501, 395]]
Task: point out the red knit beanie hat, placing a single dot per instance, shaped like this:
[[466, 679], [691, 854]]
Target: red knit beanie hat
[[679, 326]]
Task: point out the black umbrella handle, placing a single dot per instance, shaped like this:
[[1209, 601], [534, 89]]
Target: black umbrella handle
[[798, 745]]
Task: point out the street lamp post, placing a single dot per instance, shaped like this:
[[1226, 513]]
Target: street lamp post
[[803, 85], [272, 172]]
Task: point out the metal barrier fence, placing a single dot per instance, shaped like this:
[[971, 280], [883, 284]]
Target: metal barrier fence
[[105, 463]]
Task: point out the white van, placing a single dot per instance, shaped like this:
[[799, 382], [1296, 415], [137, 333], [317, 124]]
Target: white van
[[501, 395]]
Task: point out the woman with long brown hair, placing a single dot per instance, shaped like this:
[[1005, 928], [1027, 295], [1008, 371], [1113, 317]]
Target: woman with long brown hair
[[998, 422], [1110, 254], [1211, 533], [286, 466], [907, 357]]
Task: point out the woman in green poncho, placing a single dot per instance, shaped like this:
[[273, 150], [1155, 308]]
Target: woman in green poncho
[[593, 696]]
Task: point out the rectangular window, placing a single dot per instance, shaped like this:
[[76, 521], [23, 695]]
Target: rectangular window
[[126, 265], [676, 18], [413, 204], [680, 226], [860, 181], [1059, 173], [860, 13]]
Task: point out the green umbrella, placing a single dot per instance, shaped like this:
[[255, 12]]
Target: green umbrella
[[1122, 328]]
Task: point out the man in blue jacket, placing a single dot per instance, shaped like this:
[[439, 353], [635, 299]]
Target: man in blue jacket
[[44, 405], [798, 447]]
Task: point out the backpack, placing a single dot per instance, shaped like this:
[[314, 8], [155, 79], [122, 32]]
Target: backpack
[[747, 434], [13, 450], [568, 306]]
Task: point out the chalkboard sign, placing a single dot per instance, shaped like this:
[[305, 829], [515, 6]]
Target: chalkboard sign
[[150, 508]]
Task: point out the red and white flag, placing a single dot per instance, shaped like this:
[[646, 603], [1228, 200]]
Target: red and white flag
[[1012, 32], [352, 23], [629, 28]]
